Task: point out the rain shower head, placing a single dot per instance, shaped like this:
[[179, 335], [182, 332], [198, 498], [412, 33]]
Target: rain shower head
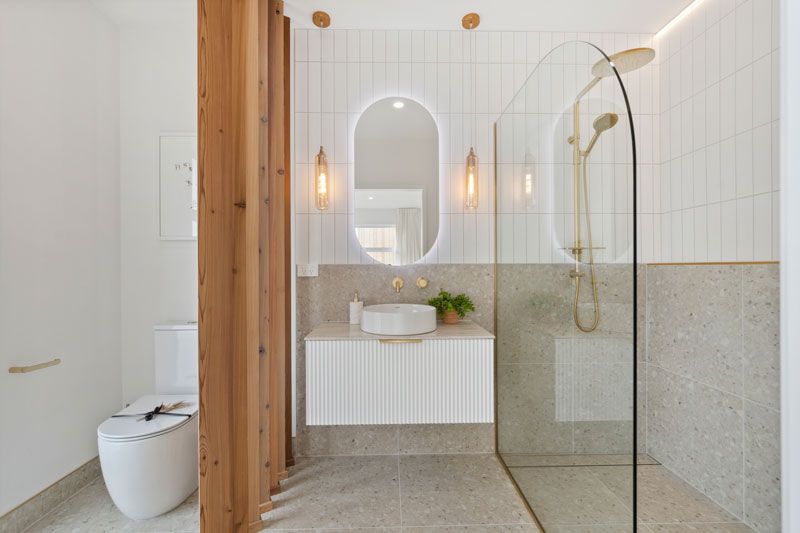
[[604, 122], [624, 61]]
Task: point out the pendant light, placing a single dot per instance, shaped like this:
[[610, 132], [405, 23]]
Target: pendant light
[[321, 186], [529, 180], [471, 185]]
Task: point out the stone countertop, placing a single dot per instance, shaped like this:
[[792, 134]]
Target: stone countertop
[[465, 329]]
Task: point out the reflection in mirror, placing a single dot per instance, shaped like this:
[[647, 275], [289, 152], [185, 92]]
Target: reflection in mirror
[[396, 181]]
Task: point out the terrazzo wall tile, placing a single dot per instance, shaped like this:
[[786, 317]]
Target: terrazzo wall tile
[[696, 431], [446, 438], [762, 467], [528, 401], [761, 333], [326, 298], [561, 390], [695, 321], [713, 362]]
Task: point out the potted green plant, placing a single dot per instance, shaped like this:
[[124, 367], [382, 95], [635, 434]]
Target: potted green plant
[[450, 307]]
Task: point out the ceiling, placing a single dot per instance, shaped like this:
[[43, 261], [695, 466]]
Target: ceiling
[[624, 16]]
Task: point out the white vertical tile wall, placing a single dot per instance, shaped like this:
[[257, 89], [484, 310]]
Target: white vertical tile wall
[[719, 134], [339, 73]]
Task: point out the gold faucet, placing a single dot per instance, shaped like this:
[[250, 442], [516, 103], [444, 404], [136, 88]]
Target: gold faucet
[[397, 283]]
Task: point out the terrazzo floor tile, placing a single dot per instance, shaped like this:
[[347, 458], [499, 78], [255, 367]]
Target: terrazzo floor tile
[[91, 511], [509, 528], [573, 459], [700, 528], [664, 498], [570, 496], [593, 498]]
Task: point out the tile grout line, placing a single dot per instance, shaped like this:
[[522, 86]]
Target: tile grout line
[[741, 355], [399, 491]]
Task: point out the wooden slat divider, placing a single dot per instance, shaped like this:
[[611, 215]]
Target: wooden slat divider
[[243, 260], [263, 249], [277, 245], [287, 179], [228, 264]]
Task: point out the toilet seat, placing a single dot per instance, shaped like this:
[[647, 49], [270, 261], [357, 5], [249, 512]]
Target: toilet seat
[[150, 466], [129, 428]]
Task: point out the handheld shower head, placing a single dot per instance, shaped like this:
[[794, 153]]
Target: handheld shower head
[[604, 122]]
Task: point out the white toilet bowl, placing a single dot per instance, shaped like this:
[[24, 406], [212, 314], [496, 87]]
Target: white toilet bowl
[[150, 467]]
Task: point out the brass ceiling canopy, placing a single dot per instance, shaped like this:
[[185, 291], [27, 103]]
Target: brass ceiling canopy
[[625, 61], [321, 19], [471, 21]]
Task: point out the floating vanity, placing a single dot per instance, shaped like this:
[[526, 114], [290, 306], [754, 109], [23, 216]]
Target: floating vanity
[[442, 377]]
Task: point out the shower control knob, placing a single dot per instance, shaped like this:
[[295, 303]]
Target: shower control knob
[[576, 274]]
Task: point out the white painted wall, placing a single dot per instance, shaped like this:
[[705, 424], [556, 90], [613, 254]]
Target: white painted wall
[[59, 239], [719, 186], [158, 94]]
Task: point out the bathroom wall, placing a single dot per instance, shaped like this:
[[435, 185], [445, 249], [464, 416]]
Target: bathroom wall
[[59, 239], [338, 73], [711, 364], [325, 298], [158, 80], [713, 395], [719, 135]]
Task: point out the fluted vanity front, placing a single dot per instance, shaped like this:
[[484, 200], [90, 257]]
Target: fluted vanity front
[[442, 377]]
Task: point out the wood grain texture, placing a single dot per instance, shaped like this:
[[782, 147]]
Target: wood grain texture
[[287, 179], [228, 264], [215, 263], [263, 248], [277, 243]]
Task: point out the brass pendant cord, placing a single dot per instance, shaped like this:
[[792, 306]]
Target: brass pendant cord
[[591, 262]]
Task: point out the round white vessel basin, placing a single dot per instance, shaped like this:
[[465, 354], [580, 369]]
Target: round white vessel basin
[[398, 319]]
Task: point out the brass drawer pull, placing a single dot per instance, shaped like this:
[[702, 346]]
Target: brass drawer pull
[[400, 341], [32, 368]]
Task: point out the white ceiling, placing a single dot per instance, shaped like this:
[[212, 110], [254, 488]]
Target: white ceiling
[[634, 16]]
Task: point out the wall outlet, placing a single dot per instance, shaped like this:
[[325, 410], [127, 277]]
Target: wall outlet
[[308, 271]]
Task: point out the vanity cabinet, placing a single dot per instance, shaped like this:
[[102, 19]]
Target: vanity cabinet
[[443, 377]]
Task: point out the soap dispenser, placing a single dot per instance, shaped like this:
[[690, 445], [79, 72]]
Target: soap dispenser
[[355, 309]]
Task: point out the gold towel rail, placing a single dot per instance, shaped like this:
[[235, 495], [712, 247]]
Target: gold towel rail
[[400, 341], [32, 368]]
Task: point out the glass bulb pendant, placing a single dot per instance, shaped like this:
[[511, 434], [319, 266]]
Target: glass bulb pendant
[[471, 185], [321, 181]]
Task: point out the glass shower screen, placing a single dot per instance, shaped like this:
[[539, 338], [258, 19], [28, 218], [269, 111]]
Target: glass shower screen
[[565, 288]]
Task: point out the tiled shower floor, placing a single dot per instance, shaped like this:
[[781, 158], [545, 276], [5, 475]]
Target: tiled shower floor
[[593, 493], [407, 493]]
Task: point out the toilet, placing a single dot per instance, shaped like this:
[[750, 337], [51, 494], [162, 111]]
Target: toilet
[[150, 467]]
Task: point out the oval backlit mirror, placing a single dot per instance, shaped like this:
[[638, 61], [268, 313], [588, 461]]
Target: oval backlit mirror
[[396, 181]]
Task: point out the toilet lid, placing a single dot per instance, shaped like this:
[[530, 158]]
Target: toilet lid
[[127, 428]]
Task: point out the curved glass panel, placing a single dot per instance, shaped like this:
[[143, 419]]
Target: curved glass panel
[[565, 170]]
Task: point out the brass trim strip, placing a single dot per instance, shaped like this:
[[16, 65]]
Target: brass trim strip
[[400, 341], [519, 492], [32, 368], [718, 263]]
